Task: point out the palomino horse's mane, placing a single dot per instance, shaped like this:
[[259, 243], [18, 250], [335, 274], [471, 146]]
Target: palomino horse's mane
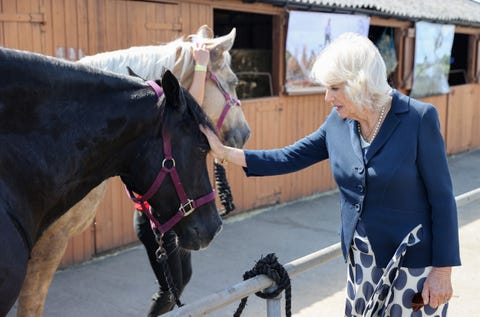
[[147, 61], [150, 61]]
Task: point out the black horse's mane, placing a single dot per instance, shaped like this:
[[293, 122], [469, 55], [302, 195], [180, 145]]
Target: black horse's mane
[[197, 112], [43, 70], [50, 72]]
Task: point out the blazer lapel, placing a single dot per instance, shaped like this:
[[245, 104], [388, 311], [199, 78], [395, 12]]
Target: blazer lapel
[[399, 105], [387, 128], [355, 139]]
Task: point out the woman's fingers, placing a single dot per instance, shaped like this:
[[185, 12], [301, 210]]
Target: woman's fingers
[[215, 144], [437, 289]]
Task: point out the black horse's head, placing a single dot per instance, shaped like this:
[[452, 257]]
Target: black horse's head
[[179, 120]]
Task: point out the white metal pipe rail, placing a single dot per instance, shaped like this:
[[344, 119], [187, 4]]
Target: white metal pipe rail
[[246, 288]]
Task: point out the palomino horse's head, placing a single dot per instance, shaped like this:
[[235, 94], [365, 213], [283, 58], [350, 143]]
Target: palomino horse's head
[[220, 96], [221, 103], [181, 191]]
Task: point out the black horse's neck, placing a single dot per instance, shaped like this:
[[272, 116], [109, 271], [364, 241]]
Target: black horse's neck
[[64, 128]]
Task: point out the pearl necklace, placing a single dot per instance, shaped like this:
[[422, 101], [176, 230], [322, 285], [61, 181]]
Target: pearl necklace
[[377, 126]]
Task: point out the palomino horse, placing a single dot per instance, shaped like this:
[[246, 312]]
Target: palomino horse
[[148, 62], [66, 127]]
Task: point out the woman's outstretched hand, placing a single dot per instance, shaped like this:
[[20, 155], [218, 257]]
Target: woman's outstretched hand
[[221, 152], [216, 146]]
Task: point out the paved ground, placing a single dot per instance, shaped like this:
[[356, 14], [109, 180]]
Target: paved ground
[[121, 284]]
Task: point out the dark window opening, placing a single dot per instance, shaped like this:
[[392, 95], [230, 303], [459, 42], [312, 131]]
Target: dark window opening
[[383, 37], [251, 52], [459, 60]]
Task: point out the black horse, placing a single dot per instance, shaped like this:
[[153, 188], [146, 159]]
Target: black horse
[[65, 127]]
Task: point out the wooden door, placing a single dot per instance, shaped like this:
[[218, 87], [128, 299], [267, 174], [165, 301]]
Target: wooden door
[[21, 25]]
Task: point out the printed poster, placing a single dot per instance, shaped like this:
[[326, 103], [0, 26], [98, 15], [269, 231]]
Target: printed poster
[[308, 34], [433, 46]]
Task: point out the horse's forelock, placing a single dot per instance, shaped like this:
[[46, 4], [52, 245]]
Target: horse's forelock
[[183, 62]]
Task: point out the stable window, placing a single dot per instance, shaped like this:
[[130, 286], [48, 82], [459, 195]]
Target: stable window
[[384, 39], [459, 61], [252, 51], [399, 59]]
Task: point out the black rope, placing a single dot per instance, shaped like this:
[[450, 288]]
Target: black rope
[[162, 257], [269, 266], [226, 199], [224, 192], [170, 283]]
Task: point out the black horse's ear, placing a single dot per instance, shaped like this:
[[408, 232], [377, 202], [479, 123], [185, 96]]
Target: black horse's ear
[[173, 93], [132, 73]]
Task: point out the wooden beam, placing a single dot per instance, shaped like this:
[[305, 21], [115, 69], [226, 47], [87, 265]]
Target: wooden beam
[[164, 26], [466, 30], [16, 17], [394, 23]]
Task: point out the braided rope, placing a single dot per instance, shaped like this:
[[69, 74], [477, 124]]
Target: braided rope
[[162, 256], [224, 191], [170, 283], [269, 266], [226, 199]]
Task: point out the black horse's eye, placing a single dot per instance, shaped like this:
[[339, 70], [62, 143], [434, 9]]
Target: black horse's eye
[[204, 147], [203, 144]]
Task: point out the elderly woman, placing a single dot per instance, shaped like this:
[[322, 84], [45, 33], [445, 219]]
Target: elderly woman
[[399, 228]]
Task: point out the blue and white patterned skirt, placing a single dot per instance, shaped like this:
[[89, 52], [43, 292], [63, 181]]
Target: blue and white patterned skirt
[[384, 292]]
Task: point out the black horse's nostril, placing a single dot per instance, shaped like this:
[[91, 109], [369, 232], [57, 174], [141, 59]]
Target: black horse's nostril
[[196, 232], [219, 228]]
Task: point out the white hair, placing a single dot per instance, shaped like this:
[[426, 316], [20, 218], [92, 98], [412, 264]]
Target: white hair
[[355, 63]]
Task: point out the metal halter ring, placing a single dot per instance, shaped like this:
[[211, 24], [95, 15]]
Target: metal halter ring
[[165, 160]]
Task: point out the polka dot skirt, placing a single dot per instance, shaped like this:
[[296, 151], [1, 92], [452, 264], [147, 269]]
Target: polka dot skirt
[[384, 292]]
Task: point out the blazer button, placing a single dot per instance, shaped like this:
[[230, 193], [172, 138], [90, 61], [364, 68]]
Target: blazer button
[[360, 188], [357, 207], [359, 169]]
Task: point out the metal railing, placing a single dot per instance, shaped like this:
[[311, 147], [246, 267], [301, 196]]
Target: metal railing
[[246, 288]]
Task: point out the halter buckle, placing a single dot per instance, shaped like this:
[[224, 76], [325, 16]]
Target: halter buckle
[[187, 208], [234, 102]]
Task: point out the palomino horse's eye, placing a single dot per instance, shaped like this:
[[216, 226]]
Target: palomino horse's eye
[[234, 82]]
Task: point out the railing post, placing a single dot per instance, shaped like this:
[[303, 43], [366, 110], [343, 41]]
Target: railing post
[[274, 307]]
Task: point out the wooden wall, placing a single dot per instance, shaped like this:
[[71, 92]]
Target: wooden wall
[[71, 29]]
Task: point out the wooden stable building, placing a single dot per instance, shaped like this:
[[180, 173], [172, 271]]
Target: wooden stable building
[[71, 29]]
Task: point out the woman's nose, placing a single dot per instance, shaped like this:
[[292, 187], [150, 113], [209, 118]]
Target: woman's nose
[[328, 95]]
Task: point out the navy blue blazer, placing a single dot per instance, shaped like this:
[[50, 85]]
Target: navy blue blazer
[[402, 181]]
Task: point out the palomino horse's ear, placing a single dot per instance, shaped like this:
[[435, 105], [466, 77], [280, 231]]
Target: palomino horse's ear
[[205, 32], [221, 44], [132, 73], [173, 93]]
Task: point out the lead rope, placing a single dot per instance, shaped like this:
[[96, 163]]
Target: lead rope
[[226, 199], [270, 267], [162, 257], [170, 283]]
